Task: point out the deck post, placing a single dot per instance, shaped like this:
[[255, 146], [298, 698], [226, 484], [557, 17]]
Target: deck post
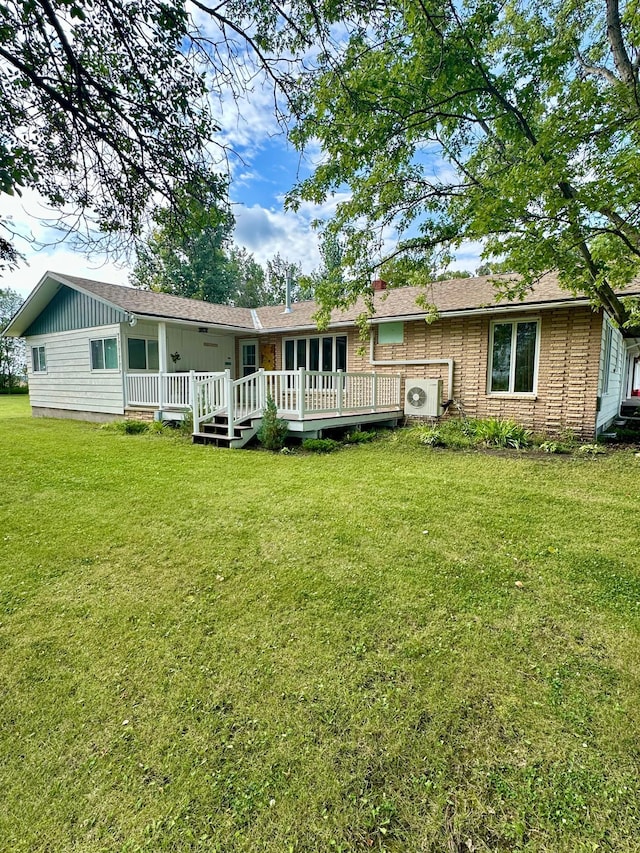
[[228, 384], [340, 392], [162, 362], [301, 391], [193, 399], [374, 391], [262, 390]]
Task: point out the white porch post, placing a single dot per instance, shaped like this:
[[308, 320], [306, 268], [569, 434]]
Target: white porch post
[[339, 392], [162, 361], [374, 393], [301, 392], [193, 397], [229, 392]]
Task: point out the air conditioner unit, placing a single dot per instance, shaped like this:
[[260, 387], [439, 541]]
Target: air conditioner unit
[[423, 398]]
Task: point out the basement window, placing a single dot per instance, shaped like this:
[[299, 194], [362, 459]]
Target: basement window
[[104, 354], [391, 333]]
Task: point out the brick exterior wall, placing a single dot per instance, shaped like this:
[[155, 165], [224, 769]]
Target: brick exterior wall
[[568, 367], [569, 358]]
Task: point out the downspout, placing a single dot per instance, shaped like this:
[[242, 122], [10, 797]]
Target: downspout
[[407, 361]]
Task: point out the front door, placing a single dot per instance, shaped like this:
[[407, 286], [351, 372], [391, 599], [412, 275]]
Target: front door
[[248, 357]]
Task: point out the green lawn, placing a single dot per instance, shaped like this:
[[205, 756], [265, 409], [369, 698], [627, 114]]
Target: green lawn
[[218, 650]]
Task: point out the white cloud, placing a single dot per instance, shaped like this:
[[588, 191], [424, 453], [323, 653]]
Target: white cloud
[[268, 232]]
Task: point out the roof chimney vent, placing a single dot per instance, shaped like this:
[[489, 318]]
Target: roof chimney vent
[[287, 307], [378, 284]]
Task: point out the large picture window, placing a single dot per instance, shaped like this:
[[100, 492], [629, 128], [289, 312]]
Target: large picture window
[[104, 354], [38, 359], [142, 354], [513, 357], [327, 353]]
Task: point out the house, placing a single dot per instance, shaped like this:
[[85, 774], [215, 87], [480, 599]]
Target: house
[[100, 351]]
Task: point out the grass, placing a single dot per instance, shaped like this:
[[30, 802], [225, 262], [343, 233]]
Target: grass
[[383, 648]]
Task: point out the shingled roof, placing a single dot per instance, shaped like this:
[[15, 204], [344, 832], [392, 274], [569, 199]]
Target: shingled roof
[[459, 295], [152, 304]]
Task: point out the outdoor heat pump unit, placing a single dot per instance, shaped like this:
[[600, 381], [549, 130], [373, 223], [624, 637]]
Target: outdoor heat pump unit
[[423, 398]]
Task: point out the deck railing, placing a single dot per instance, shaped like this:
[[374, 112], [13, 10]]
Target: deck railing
[[161, 389], [297, 394]]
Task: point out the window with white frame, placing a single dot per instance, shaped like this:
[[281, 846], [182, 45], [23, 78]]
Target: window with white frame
[[143, 354], [326, 353], [513, 356], [606, 358], [38, 359], [104, 354]]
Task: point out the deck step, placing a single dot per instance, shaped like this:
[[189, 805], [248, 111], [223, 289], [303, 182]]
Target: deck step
[[216, 432]]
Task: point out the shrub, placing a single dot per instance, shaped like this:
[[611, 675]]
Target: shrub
[[320, 445], [273, 430], [590, 450], [126, 427], [359, 437], [431, 437], [185, 426], [502, 433], [157, 428]]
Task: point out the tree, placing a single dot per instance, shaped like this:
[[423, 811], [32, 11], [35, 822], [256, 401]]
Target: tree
[[250, 289], [13, 366], [513, 123], [279, 269], [190, 260], [101, 110], [105, 104]]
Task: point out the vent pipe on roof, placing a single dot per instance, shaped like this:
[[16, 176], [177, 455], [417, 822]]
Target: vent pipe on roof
[[287, 307]]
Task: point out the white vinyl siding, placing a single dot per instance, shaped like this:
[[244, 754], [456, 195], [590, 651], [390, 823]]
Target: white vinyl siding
[[612, 355], [69, 382]]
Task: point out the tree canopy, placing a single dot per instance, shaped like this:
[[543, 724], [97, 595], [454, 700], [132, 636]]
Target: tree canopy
[[511, 123], [105, 105]]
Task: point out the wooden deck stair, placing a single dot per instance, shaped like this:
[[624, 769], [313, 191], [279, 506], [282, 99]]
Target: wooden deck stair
[[216, 432]]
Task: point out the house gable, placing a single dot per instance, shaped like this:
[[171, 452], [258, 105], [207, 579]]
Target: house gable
[[70, 309]]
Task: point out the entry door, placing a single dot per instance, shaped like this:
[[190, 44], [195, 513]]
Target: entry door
[[249, 357]]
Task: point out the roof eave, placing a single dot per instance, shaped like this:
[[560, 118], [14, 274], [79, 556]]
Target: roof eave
[[157, 318]]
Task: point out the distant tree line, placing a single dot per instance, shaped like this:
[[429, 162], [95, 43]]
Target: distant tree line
[[13, 366]]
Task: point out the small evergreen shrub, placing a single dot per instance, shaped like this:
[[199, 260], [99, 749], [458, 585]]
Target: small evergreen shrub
[[320, 445], [273, 430]]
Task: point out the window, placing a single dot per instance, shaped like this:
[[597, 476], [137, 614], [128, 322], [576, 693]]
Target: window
[[142, 354], [326, 353], [391, 333], [606, 358], [514, 356], [104, 354], [38, 359]]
